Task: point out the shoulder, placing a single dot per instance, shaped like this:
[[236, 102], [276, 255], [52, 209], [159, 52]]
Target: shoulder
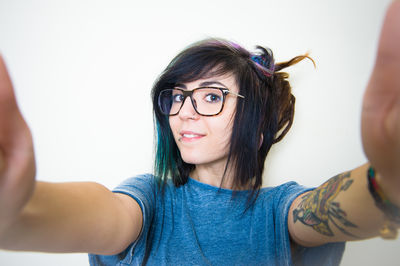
[[143, 178], [141, 183], [280, 198], [142, 188], [286, 190], [145, 187]]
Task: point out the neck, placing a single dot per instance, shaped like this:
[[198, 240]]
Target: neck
[[214, 175]]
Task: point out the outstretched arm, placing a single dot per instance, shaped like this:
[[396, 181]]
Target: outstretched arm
[[343, 207], [74, 217], [63, 217]]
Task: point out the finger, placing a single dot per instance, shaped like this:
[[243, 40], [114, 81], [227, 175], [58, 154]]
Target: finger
[[2, 162], [7, 96], [384, 85], [13, 129], [389, 41]]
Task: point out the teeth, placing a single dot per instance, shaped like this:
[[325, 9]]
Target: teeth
[[189, 135]]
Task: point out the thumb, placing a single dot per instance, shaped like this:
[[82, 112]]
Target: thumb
[[7, 96], [13, 128], [2, 161]]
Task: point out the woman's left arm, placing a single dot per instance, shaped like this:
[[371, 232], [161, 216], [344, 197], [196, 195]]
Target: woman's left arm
[[343, 208]]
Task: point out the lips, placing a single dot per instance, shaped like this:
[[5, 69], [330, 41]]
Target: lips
[[189, 136]]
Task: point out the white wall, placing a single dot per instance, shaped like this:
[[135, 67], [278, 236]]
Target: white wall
[[83, 72]]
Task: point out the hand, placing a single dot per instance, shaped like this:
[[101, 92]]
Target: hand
[[17, 164], [381, 107]]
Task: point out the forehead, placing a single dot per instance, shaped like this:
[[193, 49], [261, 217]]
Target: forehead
[[223, 81]]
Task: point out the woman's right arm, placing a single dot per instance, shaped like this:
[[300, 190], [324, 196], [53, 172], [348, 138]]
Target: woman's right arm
[[74, 217], [54, 217]]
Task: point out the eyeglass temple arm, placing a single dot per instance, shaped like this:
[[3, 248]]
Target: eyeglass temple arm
[[236, 94]]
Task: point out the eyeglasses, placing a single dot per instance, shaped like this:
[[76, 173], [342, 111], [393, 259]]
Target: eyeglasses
[[207, 101]]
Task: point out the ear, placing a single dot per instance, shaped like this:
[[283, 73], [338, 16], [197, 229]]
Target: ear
[[261, 140]]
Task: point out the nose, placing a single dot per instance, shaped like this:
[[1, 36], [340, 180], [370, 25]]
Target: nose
[[187, 110]]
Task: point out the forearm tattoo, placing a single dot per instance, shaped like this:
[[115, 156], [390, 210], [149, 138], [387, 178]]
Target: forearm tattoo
[[318, 207]]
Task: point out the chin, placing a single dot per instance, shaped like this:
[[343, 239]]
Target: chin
[[191, 159], [195, 157], [202, 158]]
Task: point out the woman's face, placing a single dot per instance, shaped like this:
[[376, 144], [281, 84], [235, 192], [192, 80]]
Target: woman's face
[[204, 140]]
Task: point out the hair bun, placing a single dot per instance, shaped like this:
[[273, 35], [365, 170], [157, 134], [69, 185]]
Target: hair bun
[[264, 61]]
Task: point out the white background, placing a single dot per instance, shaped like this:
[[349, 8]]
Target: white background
[[83, 71]]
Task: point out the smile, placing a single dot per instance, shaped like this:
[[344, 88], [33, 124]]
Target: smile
[[190, 136]]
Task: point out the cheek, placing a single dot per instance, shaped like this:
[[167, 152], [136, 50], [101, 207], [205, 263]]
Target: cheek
[[173, 124], [222, 132], [171, 121]]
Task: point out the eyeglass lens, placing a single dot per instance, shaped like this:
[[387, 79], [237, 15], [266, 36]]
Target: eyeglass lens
[[206, 101]]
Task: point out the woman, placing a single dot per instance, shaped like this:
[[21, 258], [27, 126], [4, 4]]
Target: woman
[[218, 110]]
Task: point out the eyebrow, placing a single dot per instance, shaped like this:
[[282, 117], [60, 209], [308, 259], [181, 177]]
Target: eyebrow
[[203, 84]]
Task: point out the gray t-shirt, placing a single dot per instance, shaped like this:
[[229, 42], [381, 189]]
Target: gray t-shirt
[[198, 224]]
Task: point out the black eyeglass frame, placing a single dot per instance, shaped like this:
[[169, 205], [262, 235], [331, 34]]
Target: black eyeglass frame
[[187, 93]]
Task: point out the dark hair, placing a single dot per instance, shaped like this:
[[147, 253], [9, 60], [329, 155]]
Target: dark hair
[[265, 115]]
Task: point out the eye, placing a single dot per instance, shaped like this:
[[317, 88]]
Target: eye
[[212, 98], [177, 98]]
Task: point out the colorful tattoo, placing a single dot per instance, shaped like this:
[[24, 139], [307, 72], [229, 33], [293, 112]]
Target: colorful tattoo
[[317, 208]]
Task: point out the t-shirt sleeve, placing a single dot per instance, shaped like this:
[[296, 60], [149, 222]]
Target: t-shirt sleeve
[[141, 188], [327, 255]]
